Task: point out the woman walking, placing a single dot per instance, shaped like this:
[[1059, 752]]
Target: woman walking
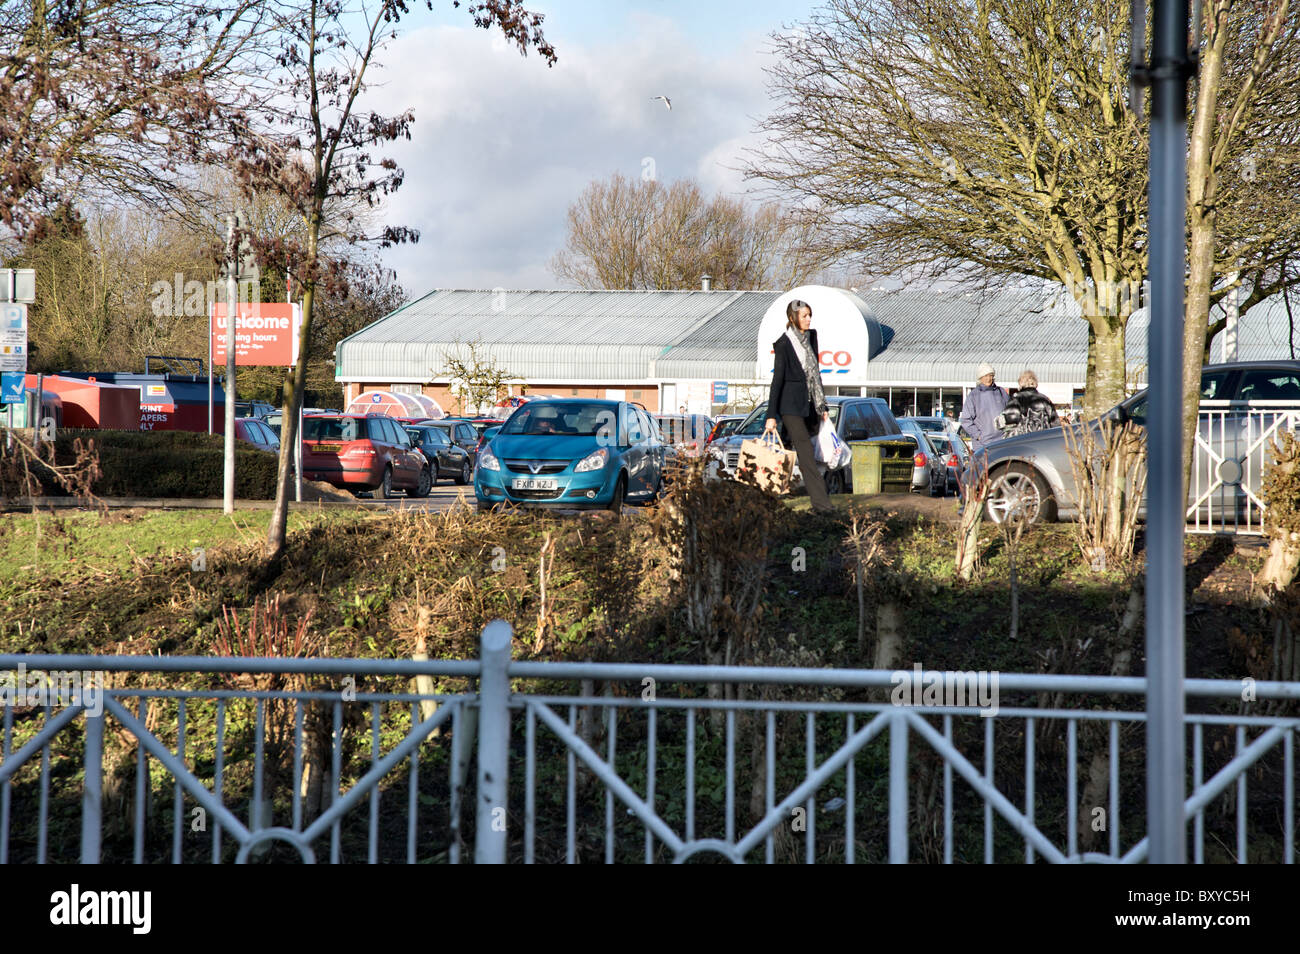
[[797, 397]]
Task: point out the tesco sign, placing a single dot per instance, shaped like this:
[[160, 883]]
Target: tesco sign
[[847, 332]]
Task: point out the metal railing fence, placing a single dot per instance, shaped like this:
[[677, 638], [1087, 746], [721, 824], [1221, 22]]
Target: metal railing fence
[[347, 763], [1229, 458]]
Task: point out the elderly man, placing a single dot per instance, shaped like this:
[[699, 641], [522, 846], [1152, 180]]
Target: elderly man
[[983, 405]]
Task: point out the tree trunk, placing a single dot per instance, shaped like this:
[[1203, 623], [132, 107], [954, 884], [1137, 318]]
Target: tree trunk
[[1202, 190], [293, 388], [1106, 386]]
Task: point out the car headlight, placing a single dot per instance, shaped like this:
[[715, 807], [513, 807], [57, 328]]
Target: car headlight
[[488, 461], [594, 461]]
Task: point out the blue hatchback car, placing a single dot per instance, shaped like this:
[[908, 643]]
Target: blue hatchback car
[[572, 453]]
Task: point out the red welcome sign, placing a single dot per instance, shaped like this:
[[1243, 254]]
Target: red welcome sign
[[265, 334]]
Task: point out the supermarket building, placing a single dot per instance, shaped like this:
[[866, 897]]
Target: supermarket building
[[711, 351]]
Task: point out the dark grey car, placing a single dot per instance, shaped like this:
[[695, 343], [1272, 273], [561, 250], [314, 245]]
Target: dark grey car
[[1242, 404], [855, 419]]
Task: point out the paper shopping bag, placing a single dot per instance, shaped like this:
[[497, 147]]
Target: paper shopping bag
[[771, 465]]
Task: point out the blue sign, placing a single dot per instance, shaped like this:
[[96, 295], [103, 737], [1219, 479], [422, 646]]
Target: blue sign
[[11, 387], [719, 392]]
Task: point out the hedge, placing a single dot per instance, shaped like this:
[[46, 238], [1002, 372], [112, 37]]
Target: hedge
[[167, 464]]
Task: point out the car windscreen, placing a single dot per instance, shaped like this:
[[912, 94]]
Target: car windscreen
[[572, 420], [754, 424], [330, 428]]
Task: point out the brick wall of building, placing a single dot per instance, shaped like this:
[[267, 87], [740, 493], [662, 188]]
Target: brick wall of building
[[646, 395]]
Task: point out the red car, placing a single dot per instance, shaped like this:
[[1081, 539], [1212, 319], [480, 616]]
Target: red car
[[363, 452], [255, 431]]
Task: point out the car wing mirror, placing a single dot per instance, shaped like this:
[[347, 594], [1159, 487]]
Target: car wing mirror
[[491, 432]]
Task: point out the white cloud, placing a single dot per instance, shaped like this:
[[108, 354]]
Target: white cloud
[[502, 145]]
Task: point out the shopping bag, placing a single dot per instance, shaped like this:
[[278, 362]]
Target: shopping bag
[[771, 464], [831, 450]]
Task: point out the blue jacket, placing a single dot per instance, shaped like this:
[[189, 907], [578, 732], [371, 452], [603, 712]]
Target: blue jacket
[[982, 407]]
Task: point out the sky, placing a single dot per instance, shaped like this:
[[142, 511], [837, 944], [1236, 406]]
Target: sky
[[502, 145]]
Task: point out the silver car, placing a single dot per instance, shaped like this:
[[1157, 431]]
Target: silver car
[[1243, 404], [930, 473]]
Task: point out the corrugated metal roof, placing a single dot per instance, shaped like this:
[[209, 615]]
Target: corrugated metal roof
[[722, 348], [563, 335], [1265, 332], [941, 337], [935, 338]]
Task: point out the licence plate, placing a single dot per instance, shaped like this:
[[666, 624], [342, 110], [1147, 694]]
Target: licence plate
[[327, 448], [534, 483]]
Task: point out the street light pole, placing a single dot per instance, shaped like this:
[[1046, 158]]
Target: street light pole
[[232, 311], [1166, 500]]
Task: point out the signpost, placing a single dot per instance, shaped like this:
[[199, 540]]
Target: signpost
[[18, 285], [13, 337]]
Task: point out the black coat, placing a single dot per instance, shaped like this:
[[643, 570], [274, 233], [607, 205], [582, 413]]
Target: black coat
[[789, 393], [1029, 410]]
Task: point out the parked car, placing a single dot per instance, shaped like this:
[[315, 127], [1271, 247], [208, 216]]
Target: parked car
[[854, 419], [687, 432], [445, 458], [955, 455], [929, 474], [1032, 471], [723, 425], [363, 452], [254, 431], [571, 453], [275, 417], [257, 409], [461, 433]]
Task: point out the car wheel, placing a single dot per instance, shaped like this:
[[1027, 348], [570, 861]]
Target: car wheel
[[425, 485], [385, 489], [1018, 489], [835, 482], [464, 476], [620, 491]]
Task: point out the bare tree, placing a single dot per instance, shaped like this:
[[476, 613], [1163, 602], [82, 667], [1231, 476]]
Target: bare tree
[[316, 147], [645, 235], [988, 137], [479, 377], [111, 94]]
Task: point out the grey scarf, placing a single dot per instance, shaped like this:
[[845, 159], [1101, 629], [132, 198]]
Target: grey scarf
[[811, 367]]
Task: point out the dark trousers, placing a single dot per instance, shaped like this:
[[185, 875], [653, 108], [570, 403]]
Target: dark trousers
[[797, 428]]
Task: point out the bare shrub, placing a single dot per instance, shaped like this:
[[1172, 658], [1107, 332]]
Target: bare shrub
[[974, 491], [1109, 462], [716, 536], [26, 469], [1276, 580], [268, 633]]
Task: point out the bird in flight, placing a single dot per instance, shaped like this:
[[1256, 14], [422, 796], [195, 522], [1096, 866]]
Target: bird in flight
[[667, 102]]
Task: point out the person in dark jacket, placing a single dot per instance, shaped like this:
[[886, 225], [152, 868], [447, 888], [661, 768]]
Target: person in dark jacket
[[981, 408], [797, 397], [1028, 410]]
